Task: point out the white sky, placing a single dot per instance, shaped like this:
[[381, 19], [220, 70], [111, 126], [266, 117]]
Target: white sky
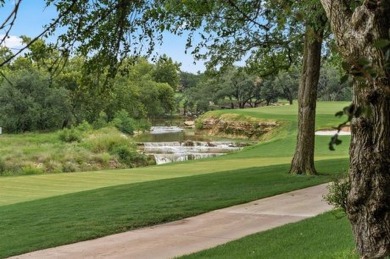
[[12, 42]]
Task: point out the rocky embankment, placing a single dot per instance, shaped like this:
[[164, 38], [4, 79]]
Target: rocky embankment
[[235, 126]]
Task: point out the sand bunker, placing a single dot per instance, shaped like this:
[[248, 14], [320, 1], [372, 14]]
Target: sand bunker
[[332, 132]]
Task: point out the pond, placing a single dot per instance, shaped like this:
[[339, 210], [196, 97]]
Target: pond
[[173, 144], [163, 134]]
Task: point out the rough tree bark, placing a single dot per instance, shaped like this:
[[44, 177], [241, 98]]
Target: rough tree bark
[[303, 160], [368, 202]]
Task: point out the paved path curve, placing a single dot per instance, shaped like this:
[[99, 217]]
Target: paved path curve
[[199, 232]]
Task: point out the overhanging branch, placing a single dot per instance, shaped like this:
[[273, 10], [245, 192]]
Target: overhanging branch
[[9, 21], [48, 28]]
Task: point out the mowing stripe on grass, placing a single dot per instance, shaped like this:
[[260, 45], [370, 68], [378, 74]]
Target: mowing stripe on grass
[[25, 188], [38, 224]]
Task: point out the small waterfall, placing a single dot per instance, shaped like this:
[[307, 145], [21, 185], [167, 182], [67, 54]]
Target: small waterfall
[[168, 145], [165, 129], [167, 152]]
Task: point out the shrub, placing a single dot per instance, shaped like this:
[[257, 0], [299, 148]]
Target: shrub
[[123, 122], [70, 135], [129, 156], [199, 124], [338, 192], [2, 165], [84, 126], [31, 170], [102, 159], [12, 168], [101, 121], [75, 134], [143, 125], [69, 167], [104, 140], [124, 153], [52, 166]]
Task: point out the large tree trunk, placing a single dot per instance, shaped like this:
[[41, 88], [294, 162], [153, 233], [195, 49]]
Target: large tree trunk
[[303, 160], [368, 202]]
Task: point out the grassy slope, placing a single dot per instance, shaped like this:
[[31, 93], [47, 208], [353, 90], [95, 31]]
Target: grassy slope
[[32, 153], [323, 236], [253, 173]]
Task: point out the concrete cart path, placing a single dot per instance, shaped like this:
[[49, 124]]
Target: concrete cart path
[[200, 232]]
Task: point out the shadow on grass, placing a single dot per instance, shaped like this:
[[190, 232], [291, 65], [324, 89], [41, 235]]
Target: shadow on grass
[[54, 221]]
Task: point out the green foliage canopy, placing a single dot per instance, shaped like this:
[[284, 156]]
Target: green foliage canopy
[[29, 103]]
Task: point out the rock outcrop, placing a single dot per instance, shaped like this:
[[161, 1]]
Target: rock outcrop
[[252, 129]]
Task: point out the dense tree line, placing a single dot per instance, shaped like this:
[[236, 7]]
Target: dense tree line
[[42, 91], [236, 87]]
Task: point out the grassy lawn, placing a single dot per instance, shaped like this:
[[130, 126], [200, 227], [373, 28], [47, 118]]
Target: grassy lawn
[[324, 236], [27, 188], [43, 211], [69, 218]]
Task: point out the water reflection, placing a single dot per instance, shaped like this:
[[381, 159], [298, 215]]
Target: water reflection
[[167, 137]]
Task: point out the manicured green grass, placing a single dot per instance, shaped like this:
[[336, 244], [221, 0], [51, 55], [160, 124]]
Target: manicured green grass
[[42, 211], [27, 188], [324, 236], [73, 217]]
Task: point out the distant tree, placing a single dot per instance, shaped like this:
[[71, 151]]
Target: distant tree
[[269, 92], [238, 86], [136, 91], [232, 87], [45, 56], [158, 98], [330, 88], [167, 71], [189, 80], [126, 96], [138, 68], [166, 97], [197, 99], [287, 83], [73, 80], [29, 104], [5, 53]]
